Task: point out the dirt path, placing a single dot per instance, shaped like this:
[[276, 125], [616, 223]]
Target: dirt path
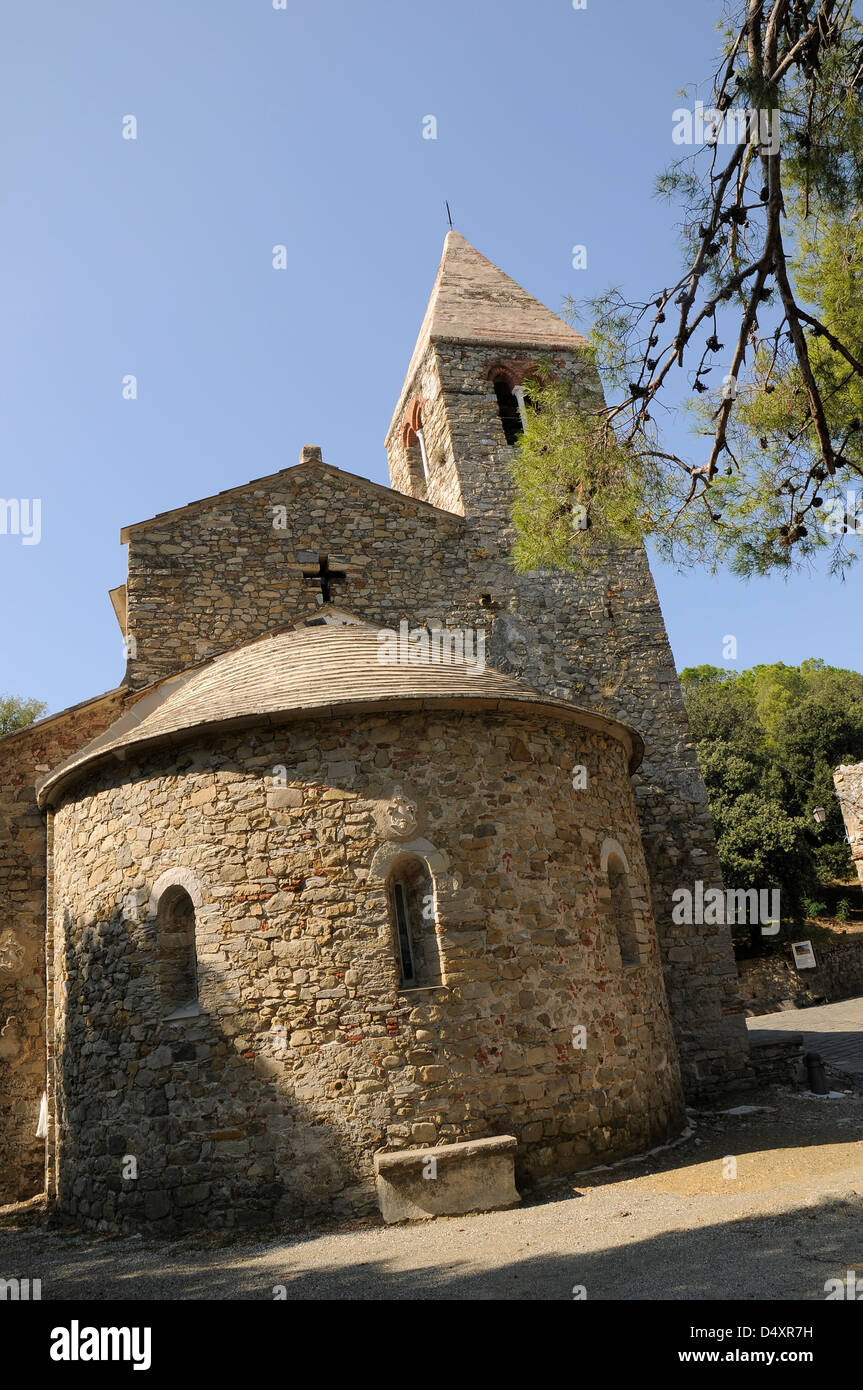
[[669, 1227]]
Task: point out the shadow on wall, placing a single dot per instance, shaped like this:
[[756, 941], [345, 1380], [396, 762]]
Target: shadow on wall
[[191, 1132], [177, 1110], [22, 1060]]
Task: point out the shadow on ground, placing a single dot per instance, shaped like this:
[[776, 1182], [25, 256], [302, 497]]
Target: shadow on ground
[[782, 1256]]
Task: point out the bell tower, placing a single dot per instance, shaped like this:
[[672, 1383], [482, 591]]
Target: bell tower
[[459, 414], [596, 638]]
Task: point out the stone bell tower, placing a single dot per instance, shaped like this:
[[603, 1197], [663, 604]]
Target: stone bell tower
[[597, 639], [481, 336]]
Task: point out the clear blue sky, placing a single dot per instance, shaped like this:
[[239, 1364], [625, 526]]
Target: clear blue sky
[[303, 126]]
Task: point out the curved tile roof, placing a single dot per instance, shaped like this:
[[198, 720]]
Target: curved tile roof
[[313, 671]]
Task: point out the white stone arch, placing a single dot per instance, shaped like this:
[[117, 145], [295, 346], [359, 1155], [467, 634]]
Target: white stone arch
[[175, 878], [386, 856], [609, 848], [185, 879]]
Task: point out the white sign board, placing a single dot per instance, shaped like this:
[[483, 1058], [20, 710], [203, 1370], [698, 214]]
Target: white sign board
[[804, 956]]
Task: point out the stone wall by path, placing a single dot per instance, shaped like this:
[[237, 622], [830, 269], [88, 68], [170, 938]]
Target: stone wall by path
[[24, 758], [308, 1055], [769, 982], [848, 781]]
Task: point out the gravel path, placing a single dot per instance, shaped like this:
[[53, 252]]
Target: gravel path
[[668, 1227]]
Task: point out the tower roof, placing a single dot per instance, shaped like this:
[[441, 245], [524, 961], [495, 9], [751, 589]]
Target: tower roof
[[473, 301]]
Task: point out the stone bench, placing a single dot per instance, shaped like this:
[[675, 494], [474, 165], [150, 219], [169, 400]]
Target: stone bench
[[415, 1184]]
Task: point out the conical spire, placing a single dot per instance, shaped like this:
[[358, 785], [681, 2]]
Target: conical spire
[[473, 301]]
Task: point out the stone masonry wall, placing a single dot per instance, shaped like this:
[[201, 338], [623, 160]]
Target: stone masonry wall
[[24, 758], [848, 781], [598, 639], [307, 1056], [768, 983], [221, 573]]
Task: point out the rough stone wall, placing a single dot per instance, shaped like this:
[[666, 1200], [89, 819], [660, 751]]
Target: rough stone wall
[[777, 1059], [444, 483], [768, 983], [24, 758], [217, 575], [598, 640], [848, 781], [220, 573], [307, 1056]]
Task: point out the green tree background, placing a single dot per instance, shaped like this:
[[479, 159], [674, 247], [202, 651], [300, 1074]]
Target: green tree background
[[768, 740]]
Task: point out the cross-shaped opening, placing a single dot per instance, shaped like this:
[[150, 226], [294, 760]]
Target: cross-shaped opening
[[322, 577]]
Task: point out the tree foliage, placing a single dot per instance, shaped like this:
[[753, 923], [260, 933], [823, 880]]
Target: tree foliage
[[768, 740], [17, 713], [765, 323]]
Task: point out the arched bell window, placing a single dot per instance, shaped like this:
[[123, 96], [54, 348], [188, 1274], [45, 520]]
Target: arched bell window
[[413, 442], [509, 409]]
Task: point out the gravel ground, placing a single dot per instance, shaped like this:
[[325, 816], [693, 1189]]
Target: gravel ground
[[670, 1226]]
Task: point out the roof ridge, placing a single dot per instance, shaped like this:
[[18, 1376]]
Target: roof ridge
[[282, 473]]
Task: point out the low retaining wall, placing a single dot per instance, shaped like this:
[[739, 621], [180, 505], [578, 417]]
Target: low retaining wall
[[777, 1058], [769, 983]]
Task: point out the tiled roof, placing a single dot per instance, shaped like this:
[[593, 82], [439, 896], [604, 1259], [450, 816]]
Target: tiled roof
[[318, 671]]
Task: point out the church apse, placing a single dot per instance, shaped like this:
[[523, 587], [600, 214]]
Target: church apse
[[395, 926]]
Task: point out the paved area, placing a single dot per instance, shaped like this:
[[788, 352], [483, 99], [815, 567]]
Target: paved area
[[833, 1030], [764, 1202]]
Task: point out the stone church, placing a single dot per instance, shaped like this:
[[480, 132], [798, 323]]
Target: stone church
[[368, 860]]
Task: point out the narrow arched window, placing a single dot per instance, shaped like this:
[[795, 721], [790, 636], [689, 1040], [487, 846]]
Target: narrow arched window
[[177, 958], [510, 414], [414, 448], [414, 922], [621, 911], [414, 444]]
